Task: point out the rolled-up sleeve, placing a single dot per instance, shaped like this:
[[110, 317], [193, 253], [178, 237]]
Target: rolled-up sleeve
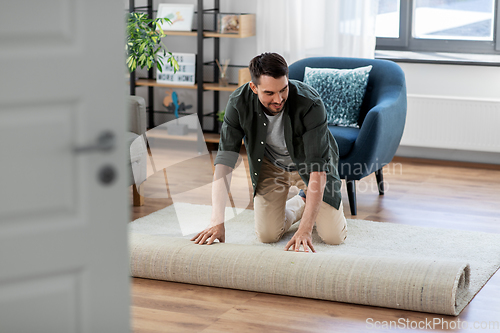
[[230, 138], [317, 140]]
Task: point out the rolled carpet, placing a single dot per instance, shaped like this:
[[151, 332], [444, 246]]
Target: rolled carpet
[[424, 285], [380, 264]]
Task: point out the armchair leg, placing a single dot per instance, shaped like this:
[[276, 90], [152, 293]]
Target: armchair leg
[[137, 198], [380, 181], [351, 193]]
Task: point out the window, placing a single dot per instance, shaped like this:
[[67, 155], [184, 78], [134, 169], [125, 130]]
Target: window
[[466, 26]]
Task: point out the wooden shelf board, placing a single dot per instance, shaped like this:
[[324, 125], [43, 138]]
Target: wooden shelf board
[[211, 137], [219, 35], [215, 86], [215, 137], [180, 33], [206, 86], [246, 28], [207, 34], [191, 136], [153, 83]]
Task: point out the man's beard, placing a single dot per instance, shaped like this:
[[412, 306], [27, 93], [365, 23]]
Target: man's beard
[[273, 111]]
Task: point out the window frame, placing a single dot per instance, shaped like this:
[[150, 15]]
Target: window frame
[[406, 42]]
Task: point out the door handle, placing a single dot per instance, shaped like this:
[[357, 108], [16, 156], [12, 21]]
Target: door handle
[[105, 142]]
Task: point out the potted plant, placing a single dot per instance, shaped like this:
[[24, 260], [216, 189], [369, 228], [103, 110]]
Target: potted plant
[[144, 46], [220, 117]]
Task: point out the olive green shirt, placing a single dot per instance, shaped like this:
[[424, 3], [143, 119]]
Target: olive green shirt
[[308, 139]]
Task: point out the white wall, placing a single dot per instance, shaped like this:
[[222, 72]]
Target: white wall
[[482, 82]]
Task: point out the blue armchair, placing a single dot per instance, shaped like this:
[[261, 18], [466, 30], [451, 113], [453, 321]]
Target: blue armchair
[[365, 150]]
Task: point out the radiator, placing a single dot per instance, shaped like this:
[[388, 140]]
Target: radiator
[[452, 123]]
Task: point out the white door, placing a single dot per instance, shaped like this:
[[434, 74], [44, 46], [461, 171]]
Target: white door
[[63, 241]]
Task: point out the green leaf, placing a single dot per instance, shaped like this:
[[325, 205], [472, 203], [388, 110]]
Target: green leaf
[[144, 46], [173, 63]]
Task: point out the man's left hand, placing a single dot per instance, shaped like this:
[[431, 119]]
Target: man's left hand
[[303, 238]]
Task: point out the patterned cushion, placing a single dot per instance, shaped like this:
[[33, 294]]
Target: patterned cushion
[[342, 92]]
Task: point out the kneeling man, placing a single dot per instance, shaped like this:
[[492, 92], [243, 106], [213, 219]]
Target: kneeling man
[[288, 143]]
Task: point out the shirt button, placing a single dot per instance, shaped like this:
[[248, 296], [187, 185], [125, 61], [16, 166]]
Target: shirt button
[[265, 124], [258, 160], [253, 184], [262, 142], [255, 173]]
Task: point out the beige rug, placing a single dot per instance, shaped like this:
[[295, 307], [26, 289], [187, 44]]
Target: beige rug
[[381, 264]]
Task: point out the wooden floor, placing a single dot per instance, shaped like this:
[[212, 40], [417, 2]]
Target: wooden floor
[[418, 192]]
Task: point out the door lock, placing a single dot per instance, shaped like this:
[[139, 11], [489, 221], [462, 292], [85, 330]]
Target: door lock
[[107, 175]]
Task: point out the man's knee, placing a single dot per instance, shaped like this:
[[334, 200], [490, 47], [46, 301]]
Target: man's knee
[[335, 238], [268, 235]]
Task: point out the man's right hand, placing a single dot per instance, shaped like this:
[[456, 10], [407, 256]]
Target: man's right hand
[[210, 234], [220, 190]]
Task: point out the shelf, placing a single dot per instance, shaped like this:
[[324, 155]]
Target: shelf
[[247, 29], [190, 136], [153, 83], [219, 35], [215, 137], [208, 34], [182, 113], [206, 86], [211, 137], [216, 87], [180, 33]]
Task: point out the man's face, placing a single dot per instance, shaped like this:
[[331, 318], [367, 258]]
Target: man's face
[[272, 93]]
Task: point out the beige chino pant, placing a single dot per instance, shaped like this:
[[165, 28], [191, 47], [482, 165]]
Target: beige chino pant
[[274, 214]]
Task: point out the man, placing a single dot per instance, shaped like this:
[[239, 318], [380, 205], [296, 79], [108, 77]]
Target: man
[[288, 143]]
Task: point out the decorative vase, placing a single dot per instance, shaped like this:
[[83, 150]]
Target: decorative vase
[[223, 82]]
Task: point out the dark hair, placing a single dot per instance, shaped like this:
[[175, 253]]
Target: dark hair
[[271, 64]]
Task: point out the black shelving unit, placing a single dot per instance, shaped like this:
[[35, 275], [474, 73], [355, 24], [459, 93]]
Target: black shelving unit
[[200, 64], [149, 10]]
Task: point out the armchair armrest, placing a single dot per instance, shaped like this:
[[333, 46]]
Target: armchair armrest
[[137, 114], [381, 131]]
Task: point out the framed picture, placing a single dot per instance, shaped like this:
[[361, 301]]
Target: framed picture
[[228, 23], [181, 16]]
